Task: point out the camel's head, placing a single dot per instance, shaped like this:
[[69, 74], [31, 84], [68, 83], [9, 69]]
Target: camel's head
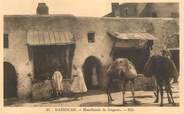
[[121, 65]]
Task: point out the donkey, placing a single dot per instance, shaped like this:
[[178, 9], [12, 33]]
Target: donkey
[[123, 71]]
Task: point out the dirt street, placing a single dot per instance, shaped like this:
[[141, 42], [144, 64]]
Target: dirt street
[[96, 98]]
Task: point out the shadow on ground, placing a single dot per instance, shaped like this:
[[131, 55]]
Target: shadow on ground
[[142, 96], [62, 101]]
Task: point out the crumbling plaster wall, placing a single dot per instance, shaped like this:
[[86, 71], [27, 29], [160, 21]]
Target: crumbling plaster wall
[[17, 27]]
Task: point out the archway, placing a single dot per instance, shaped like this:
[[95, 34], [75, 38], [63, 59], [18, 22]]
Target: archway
[[10, 81], [92, 69]]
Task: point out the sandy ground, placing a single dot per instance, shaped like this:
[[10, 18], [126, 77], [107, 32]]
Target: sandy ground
[[97, 98]]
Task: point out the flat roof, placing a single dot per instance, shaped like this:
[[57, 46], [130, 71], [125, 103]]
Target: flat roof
[[85, 17]]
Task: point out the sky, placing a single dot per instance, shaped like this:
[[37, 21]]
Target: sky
[[94, 8], [91, 8]]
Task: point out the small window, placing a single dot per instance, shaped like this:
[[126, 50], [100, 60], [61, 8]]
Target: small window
[[6, 41], [91, 37]]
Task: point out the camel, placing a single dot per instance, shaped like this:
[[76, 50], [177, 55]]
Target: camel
[[164, 70], [124, 71]]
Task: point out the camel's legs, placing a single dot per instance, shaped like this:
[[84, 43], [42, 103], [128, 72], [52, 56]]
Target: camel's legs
[[168, 97], [161, 92], [157, 93], [123, 92], [132, 90], [133, 93], [109, 96], [167, 91], [171, 94], [108, 90], [109, 93]]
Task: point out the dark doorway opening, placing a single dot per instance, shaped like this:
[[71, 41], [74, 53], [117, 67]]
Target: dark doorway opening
[[47, 58], [138, 56], [92, 69], [175, 57], [10, 81]]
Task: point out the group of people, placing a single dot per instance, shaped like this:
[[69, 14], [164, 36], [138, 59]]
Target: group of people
[[78, 86]]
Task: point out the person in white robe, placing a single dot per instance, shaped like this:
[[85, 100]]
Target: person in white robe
[[78, 85], [57, 83]]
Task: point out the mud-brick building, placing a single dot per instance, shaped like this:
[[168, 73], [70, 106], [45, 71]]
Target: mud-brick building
[[35, 44], [164, 10]]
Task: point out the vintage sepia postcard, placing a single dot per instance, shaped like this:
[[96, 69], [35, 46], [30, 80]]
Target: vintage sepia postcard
[[86, 56]]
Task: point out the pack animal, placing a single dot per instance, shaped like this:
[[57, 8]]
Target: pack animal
[[123, 71], [164, 70]]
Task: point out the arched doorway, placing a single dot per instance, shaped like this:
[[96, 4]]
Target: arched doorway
[[10, 81], [92, 69]]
